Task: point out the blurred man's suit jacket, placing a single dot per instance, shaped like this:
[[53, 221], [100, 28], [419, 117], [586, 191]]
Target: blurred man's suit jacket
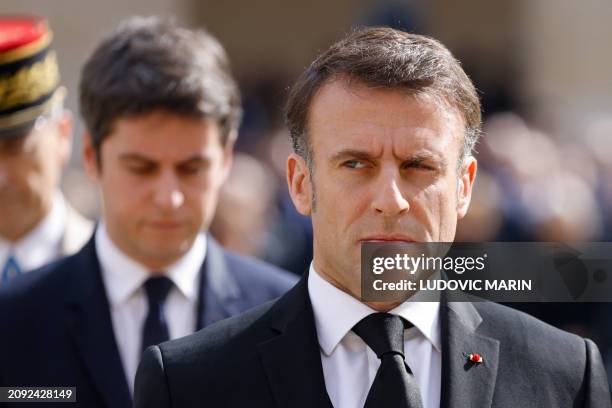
[[56, 327], [270, 357]]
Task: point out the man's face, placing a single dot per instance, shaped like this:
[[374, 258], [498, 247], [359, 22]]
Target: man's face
[[385, 169], [159, 175], [30, 171]]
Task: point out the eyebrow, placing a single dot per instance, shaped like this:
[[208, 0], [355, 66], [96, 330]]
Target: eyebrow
[[416, 159], [196, 159], [350, 154], [134, 156]]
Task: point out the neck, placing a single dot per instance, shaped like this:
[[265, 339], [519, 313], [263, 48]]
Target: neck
[[383, 306], [152, 260], [354, 291]]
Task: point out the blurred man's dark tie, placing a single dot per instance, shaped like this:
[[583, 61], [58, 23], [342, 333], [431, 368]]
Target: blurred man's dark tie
[[155, 329]]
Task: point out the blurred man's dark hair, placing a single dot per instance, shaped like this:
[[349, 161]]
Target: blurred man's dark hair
[[188, 71], [382, 57]]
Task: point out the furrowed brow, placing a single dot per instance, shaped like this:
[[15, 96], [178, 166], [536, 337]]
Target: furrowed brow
[[346, 154]]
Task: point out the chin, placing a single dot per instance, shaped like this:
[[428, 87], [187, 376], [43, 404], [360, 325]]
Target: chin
[[166, 246], [163, 256]]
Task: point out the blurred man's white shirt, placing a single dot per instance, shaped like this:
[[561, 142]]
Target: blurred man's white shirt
[[123, 280], [41, 245]]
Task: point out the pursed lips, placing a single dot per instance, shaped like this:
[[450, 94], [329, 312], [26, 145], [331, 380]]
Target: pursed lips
[[165, 224], [387, 238]]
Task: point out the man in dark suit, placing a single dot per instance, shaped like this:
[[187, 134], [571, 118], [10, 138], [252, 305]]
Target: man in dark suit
[[383, 127], [161, 111]]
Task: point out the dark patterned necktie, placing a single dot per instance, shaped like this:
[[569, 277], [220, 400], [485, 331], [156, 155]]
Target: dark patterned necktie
[[394, 385], [155, 328]]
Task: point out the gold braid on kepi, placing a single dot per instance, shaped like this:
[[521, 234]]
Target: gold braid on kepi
[[29, 73]]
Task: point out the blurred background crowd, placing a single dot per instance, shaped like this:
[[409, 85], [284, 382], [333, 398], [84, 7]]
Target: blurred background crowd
[[542, 68]]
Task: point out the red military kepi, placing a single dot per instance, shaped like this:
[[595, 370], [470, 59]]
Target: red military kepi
[[29, 74]]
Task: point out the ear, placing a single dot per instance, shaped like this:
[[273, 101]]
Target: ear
[[90, 159], [228, 158], [64, 132], [465, 183], [299, 183]]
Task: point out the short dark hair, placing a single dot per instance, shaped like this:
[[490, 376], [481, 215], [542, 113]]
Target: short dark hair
[[150, 63], [383, 57]]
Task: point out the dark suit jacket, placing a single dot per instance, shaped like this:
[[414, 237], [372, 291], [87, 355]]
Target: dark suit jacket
[[56, 329], [269, 357]]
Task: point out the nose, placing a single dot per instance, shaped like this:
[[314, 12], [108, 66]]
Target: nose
[[168, 195], [388, 199]]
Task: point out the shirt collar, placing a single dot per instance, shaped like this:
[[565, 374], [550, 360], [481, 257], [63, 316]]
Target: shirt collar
[[123, 276], [336, 312], [43, 243]]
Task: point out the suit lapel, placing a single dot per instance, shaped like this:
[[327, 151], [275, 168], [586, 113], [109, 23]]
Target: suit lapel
[[219, 292], [465, 384], [292, 360], [89, 323]]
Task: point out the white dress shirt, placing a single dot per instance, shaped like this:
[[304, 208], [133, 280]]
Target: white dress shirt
[[349, 365], [124, 278], [41, 245]]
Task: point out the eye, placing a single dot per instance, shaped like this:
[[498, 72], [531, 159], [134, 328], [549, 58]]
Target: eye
[[13, 146], [418, 166], [191, 169], [354, 164], [141, 168]]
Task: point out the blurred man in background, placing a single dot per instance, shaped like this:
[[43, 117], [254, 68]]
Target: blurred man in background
[[37, 225], [161, 111]]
